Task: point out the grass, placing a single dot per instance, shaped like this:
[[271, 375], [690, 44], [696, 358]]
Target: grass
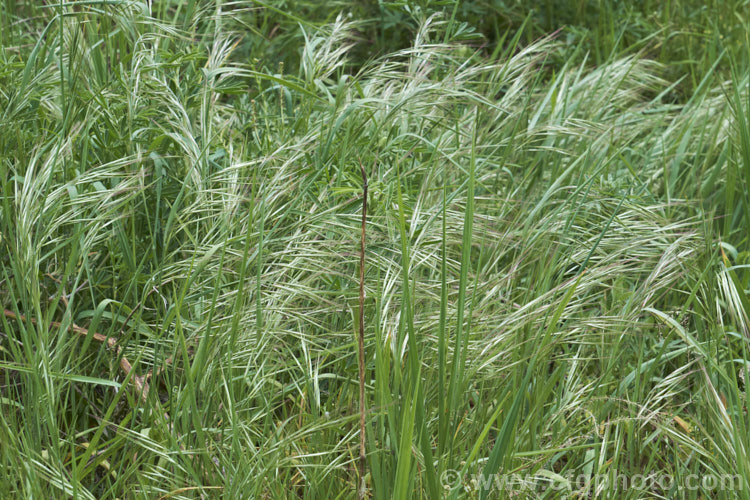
[[556, 258]]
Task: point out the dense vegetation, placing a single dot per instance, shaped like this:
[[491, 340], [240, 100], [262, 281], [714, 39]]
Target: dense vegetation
[[557, 253]]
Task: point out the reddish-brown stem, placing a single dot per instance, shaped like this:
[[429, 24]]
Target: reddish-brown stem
[[140, 383]]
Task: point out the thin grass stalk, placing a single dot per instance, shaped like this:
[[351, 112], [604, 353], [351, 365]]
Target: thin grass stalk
[[361, 340]]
